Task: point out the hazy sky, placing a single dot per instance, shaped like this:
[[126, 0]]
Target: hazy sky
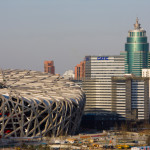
[[32, 31]]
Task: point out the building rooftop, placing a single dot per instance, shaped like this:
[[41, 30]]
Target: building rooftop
[[38, 86]]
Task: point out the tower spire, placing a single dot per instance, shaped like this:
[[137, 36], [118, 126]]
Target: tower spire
[[137, 25]]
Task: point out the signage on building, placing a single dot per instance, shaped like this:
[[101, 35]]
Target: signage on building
[[102, 58]]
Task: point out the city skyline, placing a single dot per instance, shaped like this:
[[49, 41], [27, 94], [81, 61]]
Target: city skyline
[[34, 31]]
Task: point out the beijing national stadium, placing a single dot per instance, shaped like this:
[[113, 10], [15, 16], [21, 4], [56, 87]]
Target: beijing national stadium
[[34, 103]]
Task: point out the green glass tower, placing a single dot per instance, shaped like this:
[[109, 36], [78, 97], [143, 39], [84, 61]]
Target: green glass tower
[[136, 50]]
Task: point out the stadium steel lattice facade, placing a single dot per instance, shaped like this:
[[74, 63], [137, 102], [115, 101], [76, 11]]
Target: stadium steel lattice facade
[[36, 104]]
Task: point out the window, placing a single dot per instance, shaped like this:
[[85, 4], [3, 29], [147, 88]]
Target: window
[[49, 69], [132, 33]]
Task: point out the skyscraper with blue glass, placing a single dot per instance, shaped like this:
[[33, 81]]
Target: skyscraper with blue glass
[[136, 50]]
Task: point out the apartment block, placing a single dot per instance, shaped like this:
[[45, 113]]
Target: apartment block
[[80, 71], [49, 67]]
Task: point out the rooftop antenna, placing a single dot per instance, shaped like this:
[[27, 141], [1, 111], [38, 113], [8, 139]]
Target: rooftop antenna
[[137, 25]]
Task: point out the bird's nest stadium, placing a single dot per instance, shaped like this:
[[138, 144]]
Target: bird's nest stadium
[[33, 103]]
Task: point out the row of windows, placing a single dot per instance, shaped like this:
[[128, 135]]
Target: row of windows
[[131, 34], [104, 67], [106, 64], [98, 98]]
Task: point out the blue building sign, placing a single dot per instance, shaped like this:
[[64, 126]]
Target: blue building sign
[[102, 58]]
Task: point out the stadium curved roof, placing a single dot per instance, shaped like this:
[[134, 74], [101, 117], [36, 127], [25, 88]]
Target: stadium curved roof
[[34, 103]]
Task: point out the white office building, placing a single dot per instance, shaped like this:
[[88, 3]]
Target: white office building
[[97, 83]]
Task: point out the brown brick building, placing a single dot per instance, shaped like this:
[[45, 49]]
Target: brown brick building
[[49, 67], [80, 71]]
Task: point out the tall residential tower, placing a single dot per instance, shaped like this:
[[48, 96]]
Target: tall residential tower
[[136, 50], [80, 71], [49, 67]]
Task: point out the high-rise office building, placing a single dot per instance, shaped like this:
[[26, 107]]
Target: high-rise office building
[[49, 67], [80, 71], [97, 82], [136, 50], [130, 98], [146, 73]]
